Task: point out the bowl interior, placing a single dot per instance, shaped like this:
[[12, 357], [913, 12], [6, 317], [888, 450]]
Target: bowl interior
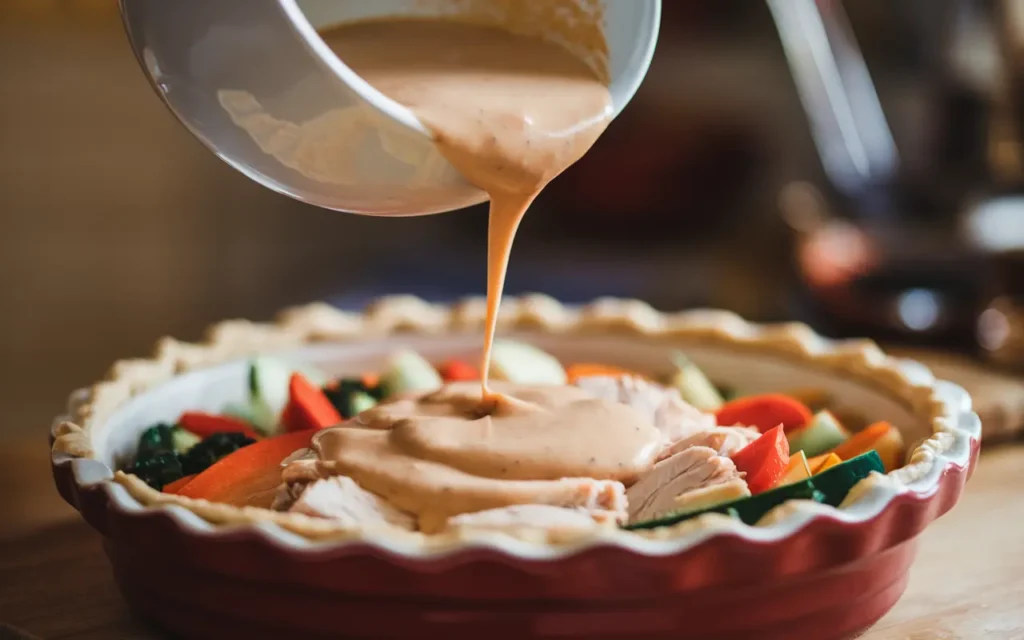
[[740, 368], [630, 29]]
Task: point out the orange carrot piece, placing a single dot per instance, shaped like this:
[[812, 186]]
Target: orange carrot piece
[[855, 444], [205, 425], [881, 437], [370, 380], [823, 462], [247, 473], [178, 484], [764, 460], [579, 370], [764, 412], [308, 407], [458, 371]]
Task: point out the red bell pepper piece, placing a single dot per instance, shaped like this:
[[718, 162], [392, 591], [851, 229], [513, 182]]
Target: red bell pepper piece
[[764, 412], [458, 371], [308, 407], [205, 425], [764, 460]]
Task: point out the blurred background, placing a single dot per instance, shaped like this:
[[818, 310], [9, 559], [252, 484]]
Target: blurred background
[[854, 168]]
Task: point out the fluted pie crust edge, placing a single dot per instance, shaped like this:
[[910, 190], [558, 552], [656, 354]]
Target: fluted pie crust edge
[[862, 360]]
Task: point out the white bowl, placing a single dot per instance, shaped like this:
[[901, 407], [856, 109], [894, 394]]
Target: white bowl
[[257, 85]]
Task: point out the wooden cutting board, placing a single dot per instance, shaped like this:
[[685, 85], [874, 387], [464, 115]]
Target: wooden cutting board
[[967, 584]]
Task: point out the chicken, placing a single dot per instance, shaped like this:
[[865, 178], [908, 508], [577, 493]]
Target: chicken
[[725, 440], [674, 417], [592, 495], [534, 515], [339, 498], [655, 493]]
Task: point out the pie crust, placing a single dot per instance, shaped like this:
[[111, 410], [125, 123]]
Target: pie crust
[[942, 405]]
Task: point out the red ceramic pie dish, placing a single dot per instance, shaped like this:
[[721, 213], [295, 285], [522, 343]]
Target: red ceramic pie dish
[[804, 571]]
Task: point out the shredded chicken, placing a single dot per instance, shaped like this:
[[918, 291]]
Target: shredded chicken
[[675, 418], [655, 493], [725, 440], [592, 495], [341, 499]]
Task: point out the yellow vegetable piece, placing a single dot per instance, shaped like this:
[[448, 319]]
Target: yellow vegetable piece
[[796, 470], [823, 462], [710, 496]]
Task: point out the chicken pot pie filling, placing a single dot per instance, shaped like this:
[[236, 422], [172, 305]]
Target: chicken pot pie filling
[[562, 451]]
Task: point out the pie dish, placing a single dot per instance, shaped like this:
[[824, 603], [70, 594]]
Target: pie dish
[[211, 569]]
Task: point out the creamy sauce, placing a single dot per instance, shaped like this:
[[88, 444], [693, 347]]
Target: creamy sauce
[[443, 454], [509, 112]]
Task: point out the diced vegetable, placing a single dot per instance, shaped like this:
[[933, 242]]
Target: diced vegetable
[[212, 449], [176, 486], [829, 488], [764, 411], [523, 363], [823, 434], [166, 453], [155, 441], [693, 385], [837, 481], [361, 402], [824, 462], [409, 372], [370, 380], [308, 407], [578, 370], [458, 371], [351, 396], [268, 387], [205, 425], [881, 437], [157, 470], [182, 440], [796, 470], [764, 460], [240, 411], [249, 475]]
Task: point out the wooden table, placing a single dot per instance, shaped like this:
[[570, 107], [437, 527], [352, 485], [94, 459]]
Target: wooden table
[[967, 584]]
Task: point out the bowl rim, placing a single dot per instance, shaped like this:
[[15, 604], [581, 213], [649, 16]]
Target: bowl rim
[[955, 434]]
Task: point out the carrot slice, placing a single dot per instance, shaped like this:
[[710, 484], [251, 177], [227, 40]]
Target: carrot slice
[[370, 380], [579, 370], [458, 371], [308, 407], [178, 484], [205, 425], [881, 437], [248, 476], [764, 412], [764, 460]]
